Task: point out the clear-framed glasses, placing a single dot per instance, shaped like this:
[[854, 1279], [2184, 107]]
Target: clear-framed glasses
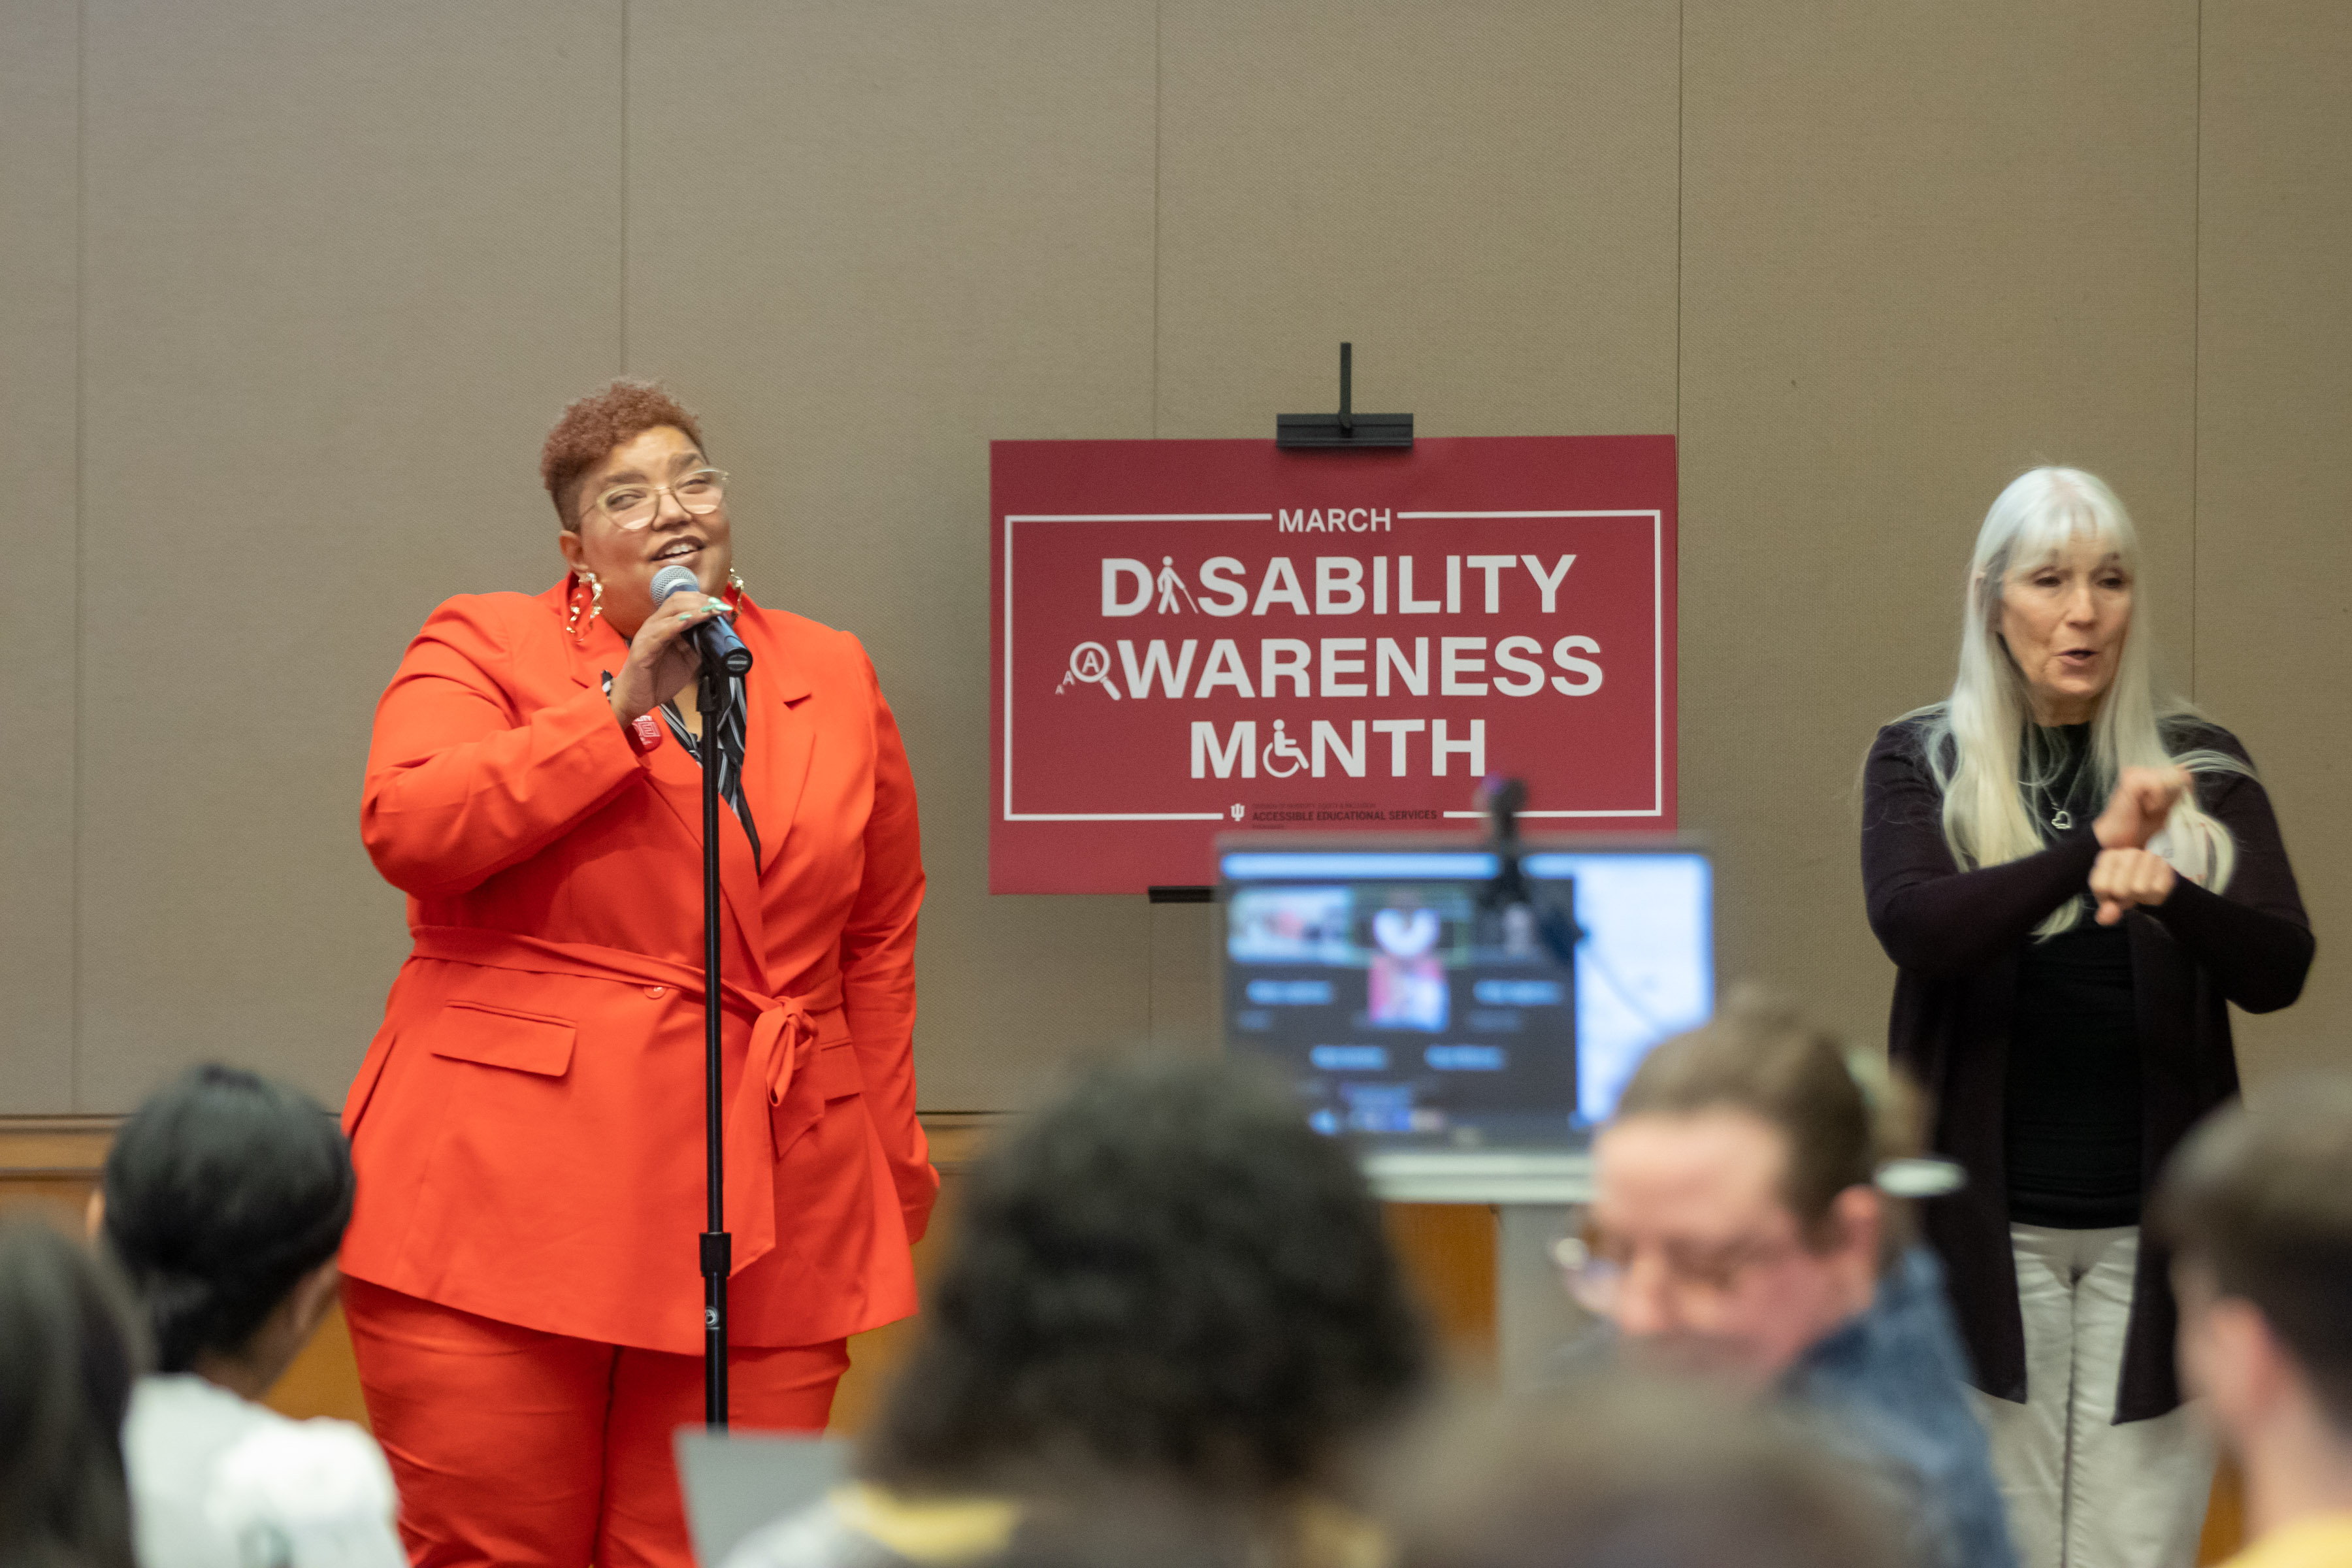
[[1594, 1264], [634, 505]]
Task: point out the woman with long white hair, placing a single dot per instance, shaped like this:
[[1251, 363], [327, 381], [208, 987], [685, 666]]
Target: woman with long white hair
[[2075, 875]]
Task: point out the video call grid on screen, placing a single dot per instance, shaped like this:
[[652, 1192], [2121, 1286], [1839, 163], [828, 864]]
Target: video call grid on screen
[[1405, 1013]]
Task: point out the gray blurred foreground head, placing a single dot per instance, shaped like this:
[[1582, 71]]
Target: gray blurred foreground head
[[1632, 1473]]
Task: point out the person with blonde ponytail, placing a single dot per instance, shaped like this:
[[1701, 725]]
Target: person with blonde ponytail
[[2075, 875]]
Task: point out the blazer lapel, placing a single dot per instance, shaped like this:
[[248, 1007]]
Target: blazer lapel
[[601, 652], [781, 737]]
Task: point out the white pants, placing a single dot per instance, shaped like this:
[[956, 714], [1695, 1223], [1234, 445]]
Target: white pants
[[2081, 1491]]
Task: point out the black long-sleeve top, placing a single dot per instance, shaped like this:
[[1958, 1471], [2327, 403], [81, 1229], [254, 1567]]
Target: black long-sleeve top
[[1957, 938], [2071, 1115]]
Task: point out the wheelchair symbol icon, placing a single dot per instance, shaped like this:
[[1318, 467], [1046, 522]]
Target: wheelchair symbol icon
[[1283, 748]]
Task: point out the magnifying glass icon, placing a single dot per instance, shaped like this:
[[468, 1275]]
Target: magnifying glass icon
[[1090, 662]]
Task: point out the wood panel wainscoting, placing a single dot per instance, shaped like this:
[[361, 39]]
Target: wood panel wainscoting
[[1447, 1251], [54, 1162]]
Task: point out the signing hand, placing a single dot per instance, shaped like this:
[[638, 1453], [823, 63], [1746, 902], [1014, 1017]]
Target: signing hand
[[2124, 880], [2135, 813], [661, 660]]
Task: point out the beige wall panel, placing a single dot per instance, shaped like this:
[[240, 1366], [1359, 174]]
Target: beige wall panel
[[39, 71], [339, 266], [1924, 247], [1184, 994], [1480, 196], [344, 263], [865, 240], [2274, 466]]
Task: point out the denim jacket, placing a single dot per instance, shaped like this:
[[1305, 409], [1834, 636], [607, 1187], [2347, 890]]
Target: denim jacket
[[1890, 1387]]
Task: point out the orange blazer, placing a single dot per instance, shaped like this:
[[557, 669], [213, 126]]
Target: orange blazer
[[528, 1123]]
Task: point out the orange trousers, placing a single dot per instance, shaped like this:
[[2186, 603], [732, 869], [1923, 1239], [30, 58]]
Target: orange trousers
[[514, 1447]]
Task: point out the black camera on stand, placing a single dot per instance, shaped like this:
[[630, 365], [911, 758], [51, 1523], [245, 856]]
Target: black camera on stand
[[1517, 916]]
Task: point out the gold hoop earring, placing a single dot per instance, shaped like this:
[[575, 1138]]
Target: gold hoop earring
[[735, 581], [594, 607]]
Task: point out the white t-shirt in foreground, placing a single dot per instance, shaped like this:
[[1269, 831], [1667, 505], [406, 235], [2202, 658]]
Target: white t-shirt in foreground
[[218, 1481]]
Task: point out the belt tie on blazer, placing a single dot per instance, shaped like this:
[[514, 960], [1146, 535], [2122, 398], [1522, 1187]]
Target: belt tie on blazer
[[776, 1100]]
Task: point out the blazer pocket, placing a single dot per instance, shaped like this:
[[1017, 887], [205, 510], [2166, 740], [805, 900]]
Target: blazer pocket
[[835, 1071], [502, 1038]]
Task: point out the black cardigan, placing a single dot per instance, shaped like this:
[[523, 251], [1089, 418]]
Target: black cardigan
[[1954, 937]]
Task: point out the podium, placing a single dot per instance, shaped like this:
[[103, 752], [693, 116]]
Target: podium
[[1534, 1194]]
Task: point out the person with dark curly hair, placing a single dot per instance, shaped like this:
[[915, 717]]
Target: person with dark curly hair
[[1165, 1287], [521, 1278], [224, 1200], [67, 1356]]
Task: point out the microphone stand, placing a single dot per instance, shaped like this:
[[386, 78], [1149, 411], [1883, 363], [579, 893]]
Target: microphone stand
[[717, 1248]]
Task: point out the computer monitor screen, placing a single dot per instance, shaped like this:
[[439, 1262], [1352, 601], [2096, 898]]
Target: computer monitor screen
[[1410, 1006]]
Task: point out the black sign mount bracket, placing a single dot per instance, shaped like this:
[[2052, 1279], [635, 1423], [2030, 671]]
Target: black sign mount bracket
[[1347, 429]]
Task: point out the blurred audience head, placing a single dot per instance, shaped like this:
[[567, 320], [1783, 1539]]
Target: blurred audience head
[[1736, 1220], [225, 1201], [1165, 1276], [2256, 1205], [1628, 1473], [67, 1363]]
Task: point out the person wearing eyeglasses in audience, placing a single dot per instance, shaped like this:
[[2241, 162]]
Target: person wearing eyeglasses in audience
[[521, 1278], [1742, 1230]]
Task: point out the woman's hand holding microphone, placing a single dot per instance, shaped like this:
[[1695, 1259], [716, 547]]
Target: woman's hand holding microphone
[[2126, 874], [662, 658]]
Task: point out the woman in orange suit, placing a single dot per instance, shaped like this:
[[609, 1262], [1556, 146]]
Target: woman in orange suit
[[521, 1273]]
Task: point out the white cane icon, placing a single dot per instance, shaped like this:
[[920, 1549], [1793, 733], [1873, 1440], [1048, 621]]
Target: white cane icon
[[1170, 585]]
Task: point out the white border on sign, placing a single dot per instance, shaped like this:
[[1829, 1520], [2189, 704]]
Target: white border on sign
[[1657, 654]]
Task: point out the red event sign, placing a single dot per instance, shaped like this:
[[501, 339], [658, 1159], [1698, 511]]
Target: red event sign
[[1195, 637]]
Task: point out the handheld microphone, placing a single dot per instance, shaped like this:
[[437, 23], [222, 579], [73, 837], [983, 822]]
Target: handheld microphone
[[714, 638]]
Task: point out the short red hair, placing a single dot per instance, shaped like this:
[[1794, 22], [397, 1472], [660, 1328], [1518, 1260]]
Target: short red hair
[[619, 411]]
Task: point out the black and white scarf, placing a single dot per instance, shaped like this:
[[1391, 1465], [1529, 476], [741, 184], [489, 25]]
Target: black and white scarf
[[733, 732]]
